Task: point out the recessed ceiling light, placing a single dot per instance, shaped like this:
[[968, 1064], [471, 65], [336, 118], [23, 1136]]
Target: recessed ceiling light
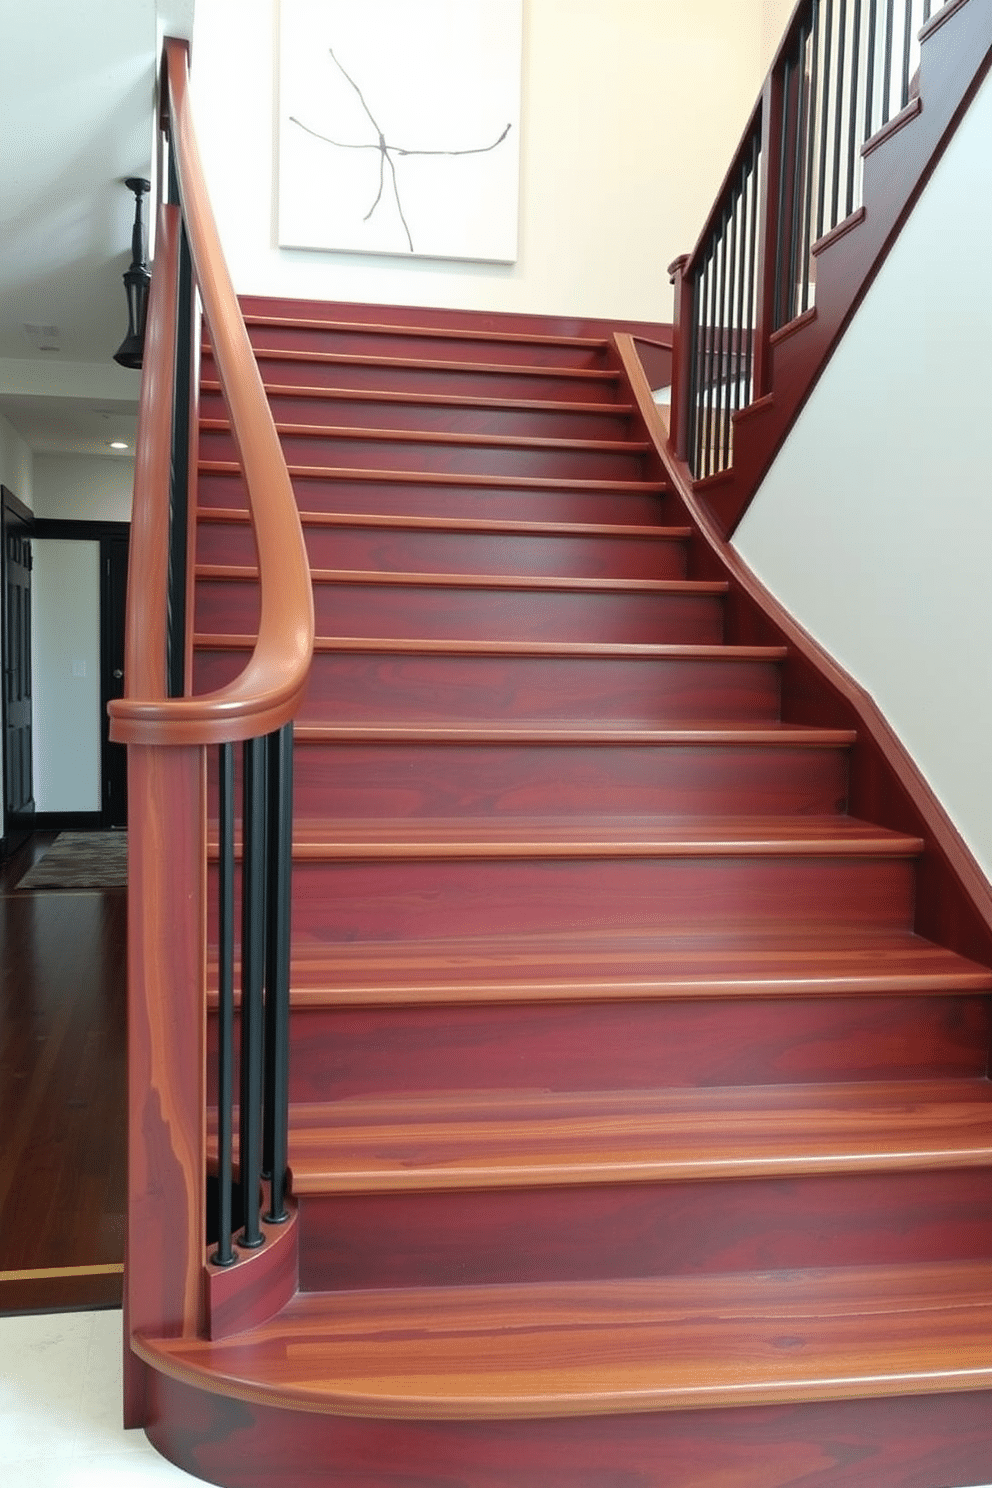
[[117, 444]]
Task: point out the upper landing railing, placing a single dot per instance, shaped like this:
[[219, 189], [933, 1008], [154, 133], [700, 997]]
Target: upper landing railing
[[844, 73], [168, 730]]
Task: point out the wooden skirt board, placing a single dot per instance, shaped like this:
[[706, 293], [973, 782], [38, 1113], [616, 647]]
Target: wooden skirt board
[[62, 1093], [900, 1442]]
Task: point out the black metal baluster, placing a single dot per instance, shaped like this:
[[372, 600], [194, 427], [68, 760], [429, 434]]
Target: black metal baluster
[[828, 26], [839, 112], [692, 426], [753, 256], [743, 271], [811, 153], [926, 11], [887, 60], [779, 317], [705, 390], [872, 63], [716, 383], [253, 822], [730, 354], [798, 159], [280, 855], [224, 1254], [907, 43], [852, 131]]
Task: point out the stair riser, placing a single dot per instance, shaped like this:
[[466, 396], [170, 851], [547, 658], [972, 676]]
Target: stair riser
[[338, 1053], [461, 381], [394, 688], [719, 897], [441, 499], [424, 781], [408, 343], [445, 418], [407, 550], [652, 1229], [478, 614], [898, 1442], [342, 452]]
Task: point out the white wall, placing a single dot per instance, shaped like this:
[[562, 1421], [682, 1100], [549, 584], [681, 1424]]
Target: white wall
[[83, 488], [775, 16], [874, 526], [66, 662], [609, 194], [15, 464]]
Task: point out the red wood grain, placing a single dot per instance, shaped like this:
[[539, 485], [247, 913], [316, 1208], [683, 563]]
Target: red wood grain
[[530, 1236], [904, 1442], [450, 607], [392, 544], [166, 1048]]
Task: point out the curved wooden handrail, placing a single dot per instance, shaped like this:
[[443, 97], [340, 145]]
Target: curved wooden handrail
[[266, 693]]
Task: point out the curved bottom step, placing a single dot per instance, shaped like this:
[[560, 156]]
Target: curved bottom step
[[741, 1379]]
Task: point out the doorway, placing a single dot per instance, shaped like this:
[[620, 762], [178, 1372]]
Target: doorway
[[113, 601], [18, 777]]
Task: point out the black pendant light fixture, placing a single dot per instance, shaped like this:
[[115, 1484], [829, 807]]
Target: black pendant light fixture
[[136, 281]]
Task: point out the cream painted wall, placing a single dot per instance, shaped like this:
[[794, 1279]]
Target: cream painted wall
[[609, 195], [66, 662], [15, 463], [775, 16], [83, 488], [874, 525]]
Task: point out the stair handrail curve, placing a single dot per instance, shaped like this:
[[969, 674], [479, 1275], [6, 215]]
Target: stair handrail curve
[[267, 692], [752, 332], [168, 730]]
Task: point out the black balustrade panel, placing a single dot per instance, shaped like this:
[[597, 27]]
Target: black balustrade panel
[[846, 69], [724, 303], [263, 1023]]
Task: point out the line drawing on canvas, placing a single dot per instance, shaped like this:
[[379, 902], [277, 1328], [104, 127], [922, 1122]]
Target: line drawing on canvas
[[386, 150]]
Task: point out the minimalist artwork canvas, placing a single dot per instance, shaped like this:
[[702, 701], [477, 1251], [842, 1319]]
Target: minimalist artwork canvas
[[399, 126]]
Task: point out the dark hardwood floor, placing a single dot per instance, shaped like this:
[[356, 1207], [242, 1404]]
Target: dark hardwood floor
[[63, 1131]]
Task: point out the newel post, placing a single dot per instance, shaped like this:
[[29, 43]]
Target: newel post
[[683, 331]]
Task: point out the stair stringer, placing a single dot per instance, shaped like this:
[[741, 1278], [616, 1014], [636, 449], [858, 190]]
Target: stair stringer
[[954, 899]]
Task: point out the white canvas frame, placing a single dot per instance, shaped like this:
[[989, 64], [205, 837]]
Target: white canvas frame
[[440, 77]]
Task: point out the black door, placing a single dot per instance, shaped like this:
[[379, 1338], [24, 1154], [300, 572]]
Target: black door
[[113, 596], [18, 785]]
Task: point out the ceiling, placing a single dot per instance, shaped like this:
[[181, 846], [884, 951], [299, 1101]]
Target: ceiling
[[78, 96]]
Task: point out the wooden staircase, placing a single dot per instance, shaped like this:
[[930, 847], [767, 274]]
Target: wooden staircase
[[637, 1137]]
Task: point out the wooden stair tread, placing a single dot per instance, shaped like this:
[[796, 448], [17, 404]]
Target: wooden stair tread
[[747, 735], [611, 836], [630, 966], [437, 400], [521, 1138], [422, 436], [240, 573], [472, 479], [631, 650], [425, 333], [581, 1348], [434, 364], [373, 521]]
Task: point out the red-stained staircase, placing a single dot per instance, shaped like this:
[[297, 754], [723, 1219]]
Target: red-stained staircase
[[637, 1136]]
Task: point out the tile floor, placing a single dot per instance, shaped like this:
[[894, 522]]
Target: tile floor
[[60, 1407]]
